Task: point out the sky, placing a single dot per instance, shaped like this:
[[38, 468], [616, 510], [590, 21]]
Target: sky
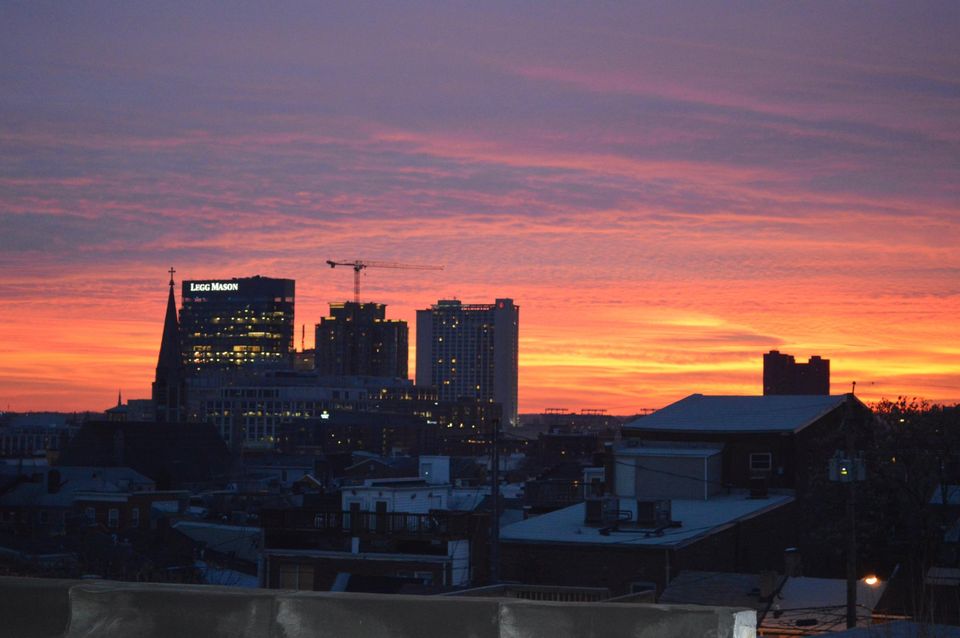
[[668, 190]]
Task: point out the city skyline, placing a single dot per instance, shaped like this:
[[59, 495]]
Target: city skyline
[[669, 192]]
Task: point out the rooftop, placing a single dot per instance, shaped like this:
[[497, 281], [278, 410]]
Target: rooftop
[[241, 541], [813, 605], [739, 414], [70, 481], [698, 518]]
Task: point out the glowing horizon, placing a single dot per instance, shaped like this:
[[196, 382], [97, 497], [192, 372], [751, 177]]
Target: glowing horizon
[[667, 193]]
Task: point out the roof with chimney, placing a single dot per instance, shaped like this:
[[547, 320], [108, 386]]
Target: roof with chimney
[[56, 487]]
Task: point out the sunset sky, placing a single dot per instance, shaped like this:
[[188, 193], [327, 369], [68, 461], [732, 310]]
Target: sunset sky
[[667, 190]]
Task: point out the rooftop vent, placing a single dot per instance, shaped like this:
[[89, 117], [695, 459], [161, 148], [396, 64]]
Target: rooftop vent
[[653, 513], [601, 511]]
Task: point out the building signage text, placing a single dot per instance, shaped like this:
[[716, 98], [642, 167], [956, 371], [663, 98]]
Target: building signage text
[[216, 286]]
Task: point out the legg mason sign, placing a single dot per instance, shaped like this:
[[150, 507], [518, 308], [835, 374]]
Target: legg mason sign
[[214, 286]]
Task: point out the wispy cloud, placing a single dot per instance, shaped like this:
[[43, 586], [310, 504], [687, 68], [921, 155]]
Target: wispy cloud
[[667, 193]]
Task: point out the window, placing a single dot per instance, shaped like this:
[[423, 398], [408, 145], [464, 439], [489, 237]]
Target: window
[[135, 517], [90, 515], [296, 576], [113, 518], [761, 462]]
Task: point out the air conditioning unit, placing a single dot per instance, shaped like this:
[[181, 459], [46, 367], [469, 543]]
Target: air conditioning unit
[[601, 511], [653, 513]]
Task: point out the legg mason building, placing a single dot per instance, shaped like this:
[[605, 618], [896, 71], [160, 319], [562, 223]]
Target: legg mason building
[[226, 323]]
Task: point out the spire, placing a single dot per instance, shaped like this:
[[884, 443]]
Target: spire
[[170, 344], [119, 398], [169, 386]]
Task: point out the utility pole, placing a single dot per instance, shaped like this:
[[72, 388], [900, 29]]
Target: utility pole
[[848, 467], [851, 555], [495, 492]]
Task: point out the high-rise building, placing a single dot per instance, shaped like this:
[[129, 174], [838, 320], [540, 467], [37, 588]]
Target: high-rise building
[[169, 385], [783, 375], [226, 323], [358, 340], [469, 351]]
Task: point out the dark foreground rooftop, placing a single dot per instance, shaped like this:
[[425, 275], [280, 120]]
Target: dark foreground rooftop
[[48, 608]]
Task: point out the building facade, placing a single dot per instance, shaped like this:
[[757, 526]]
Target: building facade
[[358, 340], [783, 375], [236, 322], [469, 351]]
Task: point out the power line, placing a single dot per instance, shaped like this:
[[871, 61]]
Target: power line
[[668, 473]]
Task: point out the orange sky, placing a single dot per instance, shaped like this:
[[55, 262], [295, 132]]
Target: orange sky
[[667, 194]]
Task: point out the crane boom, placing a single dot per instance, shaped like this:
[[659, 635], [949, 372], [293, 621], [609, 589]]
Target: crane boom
[[358, 265]]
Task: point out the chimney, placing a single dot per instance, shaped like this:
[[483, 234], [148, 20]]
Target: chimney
[[792, 567], [768, 584]]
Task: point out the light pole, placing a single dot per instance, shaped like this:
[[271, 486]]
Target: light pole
[[849, 468]]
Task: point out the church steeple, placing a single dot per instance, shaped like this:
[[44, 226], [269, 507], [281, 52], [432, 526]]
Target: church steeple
[[170, 357], [169, 386]]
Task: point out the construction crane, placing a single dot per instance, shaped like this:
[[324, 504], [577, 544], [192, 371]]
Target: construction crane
[[359, 265]]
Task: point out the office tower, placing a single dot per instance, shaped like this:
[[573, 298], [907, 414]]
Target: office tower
[[783, 375], [470, 352], [358, 340], [227, 323], [169, 385]]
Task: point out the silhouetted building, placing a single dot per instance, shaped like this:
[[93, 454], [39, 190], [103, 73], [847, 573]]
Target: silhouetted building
[[357, 339], [470, 352], [174, 455], [132, 410], [783, 375], [36, 433], [351, 430], [777, 438], [169, 386], [278, 408], [230, 323]]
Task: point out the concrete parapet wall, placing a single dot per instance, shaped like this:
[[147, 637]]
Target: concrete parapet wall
[[37, 608], [34, 607]]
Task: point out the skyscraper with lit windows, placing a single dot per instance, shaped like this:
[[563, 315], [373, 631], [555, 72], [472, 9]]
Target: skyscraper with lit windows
[[357, 339], [469, 351], [229, 323]]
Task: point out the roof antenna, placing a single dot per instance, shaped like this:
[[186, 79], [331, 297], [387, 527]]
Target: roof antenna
[[854, 388]]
